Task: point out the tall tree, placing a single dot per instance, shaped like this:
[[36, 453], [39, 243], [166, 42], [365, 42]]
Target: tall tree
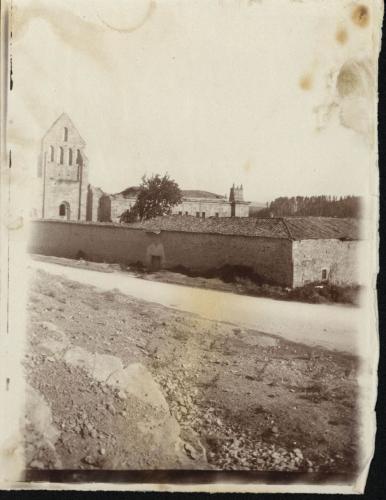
[[156, 196], [325, 206]]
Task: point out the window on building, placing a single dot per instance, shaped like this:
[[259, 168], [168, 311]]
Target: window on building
[[197, 214], [203, 215], [79, 159], [62, 210], [65, 134], [70, 156], [61, 155], [324, 274], [52, 153], [186, 213]]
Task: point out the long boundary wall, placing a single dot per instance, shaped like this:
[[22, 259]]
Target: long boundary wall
[[271, 258]]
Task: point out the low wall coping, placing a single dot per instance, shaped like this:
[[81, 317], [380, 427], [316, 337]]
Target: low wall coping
[[114, 225]]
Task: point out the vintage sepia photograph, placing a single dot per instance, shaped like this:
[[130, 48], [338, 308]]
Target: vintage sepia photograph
[[189, 244]]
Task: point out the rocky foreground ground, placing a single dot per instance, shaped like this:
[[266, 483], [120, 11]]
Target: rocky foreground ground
[[119, 383]]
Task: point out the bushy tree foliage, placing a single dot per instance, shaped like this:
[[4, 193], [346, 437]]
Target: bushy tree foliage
[[320, 206], [156, 196]]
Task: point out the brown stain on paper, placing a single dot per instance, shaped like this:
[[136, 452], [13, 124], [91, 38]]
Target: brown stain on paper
[[75, 31], [306, 82], [135, 27], [79, 34], [247, 167], [341, 36], [360, 16], [347, 81]]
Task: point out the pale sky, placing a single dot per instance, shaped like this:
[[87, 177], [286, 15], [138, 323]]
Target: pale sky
[[207, 91]]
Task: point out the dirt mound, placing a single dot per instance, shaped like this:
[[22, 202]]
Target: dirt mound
[[117, 418]]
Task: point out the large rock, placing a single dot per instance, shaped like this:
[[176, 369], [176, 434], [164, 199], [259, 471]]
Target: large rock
[[148, 435], [136, 379], [98, 366]]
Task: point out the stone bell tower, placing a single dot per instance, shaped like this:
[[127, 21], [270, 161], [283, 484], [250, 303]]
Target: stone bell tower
[[239, 207], [63, 169]]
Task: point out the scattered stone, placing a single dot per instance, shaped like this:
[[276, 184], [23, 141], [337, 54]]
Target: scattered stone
[[111, 408], [298, 453], [121, 395], [191, 452], [89, 460]]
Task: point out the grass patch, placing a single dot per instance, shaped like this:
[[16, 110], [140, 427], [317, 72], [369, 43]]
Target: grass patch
[[249, 282]]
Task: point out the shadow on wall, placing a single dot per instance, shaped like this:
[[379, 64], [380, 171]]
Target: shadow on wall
[[90, 197], [104, 209]]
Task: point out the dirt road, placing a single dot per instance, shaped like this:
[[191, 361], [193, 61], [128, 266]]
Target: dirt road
[[333, 327], [116, 382]]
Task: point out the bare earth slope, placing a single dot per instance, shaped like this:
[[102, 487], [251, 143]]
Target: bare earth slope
[[119, 383]]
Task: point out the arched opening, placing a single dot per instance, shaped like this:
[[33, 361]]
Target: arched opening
[[64, 210], [61, 155], [65, 134], [52, 153], [70, 156]]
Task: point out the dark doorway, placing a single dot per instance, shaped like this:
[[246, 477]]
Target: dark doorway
[[64, 210], [155, 262]]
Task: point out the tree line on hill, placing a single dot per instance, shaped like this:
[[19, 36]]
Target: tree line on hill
[[318, 206]]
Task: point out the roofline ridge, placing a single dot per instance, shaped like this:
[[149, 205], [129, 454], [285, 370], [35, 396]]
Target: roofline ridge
[[66, 115], [287, 228]]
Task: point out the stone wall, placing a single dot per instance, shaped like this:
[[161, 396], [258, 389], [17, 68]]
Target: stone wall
[[198, 207], [338, 259], [94, 196], [63, 170], [71, 193], [270, 258], [241, 210], [119, 204], [112, 209]]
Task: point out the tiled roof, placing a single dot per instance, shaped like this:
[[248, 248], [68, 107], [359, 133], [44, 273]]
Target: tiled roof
[[291, 228], [304, 228], [196, 193], [132, 191]]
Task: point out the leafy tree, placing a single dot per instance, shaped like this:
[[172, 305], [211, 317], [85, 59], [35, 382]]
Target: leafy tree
[[156, 196], [129, 215]]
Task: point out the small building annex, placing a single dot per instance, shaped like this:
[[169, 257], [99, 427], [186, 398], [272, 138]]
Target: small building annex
[[290, 251]]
